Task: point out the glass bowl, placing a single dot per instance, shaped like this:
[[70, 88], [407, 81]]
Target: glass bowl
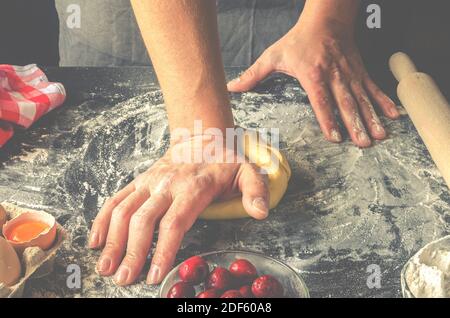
[[293, 284]]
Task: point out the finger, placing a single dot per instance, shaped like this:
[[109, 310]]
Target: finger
[[368, 113], [118, 232], [178, 220], [100, 226], [349, 110], [320, 97], [254, 74], [140, 237], [383, 101], [255, 192]]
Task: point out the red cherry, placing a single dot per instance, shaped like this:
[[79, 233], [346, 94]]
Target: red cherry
[[220, 278], [246, 291], [231, 294], [181, 290], [244, 271], [267, 287], [193, 270], [210, 293]]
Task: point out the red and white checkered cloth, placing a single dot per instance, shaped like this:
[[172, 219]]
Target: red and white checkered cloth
[[25, 96]]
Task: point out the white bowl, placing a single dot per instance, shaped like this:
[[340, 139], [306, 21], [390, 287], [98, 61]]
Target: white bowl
[[406, 290]]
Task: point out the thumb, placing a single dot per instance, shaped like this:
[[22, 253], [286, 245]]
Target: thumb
[[255, 192], [254, 74]]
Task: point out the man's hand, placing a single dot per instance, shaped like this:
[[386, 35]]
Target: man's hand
[[325, 60], [171, 196], [182, 40]]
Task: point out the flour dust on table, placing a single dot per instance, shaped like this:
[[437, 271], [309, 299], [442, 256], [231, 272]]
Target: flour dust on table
[[345, 208]]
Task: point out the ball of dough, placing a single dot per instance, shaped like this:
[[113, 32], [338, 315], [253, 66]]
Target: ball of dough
[[278, 173]]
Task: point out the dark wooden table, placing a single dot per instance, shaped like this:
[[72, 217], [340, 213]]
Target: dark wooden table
[[347, 211]]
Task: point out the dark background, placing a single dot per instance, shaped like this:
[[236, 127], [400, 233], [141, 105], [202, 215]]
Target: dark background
[[420, 28], [29, 32]]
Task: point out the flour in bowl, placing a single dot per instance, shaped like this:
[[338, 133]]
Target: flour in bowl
[[428, 273]]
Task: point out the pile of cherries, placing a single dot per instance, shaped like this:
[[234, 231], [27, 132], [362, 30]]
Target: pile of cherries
[[239, 281]]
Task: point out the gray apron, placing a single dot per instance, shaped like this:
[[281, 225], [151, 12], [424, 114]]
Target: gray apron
[[107, 34]]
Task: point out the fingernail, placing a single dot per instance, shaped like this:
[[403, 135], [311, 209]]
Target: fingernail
[[153, 276], [234, 81], [363, 138], [121, 275], [261, 205], [103, 264], [394, 112], [93, 240], [335, 136], [379, 128]]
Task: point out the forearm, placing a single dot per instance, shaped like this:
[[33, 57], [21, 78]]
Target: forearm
[[343, 12], [183, 43]]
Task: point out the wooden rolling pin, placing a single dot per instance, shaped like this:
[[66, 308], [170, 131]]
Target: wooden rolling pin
[[427, 107]]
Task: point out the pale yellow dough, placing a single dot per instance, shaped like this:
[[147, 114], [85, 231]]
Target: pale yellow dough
[[278, 171]]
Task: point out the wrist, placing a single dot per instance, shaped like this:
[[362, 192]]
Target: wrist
[[329, 14], [200, 131], [200, 116], [209, 147]]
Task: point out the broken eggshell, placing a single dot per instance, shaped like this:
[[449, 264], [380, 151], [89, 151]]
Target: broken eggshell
[[3, 216], [43, 239], [10, 267]]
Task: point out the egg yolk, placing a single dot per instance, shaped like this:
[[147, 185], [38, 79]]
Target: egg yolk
[[27, 231]]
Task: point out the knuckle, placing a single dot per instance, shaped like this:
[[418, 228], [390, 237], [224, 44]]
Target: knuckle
[[253, 168], [335, 73], [262, 183], [377, 91], [202, 181], [163, 184], [132, 257], [260, 176], [171, 224], [159, 258], [364, 101], [348, 102], [98, 223], [373, 88], [322, 97], [141, 183], [111, 246], [259, 179], [142, 220], [112, 202], [324, 63], [120, 211], [360, 94], [356, 85], [251, 71], [138, 221], [315, 75], [332, 44], [347, 67]]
